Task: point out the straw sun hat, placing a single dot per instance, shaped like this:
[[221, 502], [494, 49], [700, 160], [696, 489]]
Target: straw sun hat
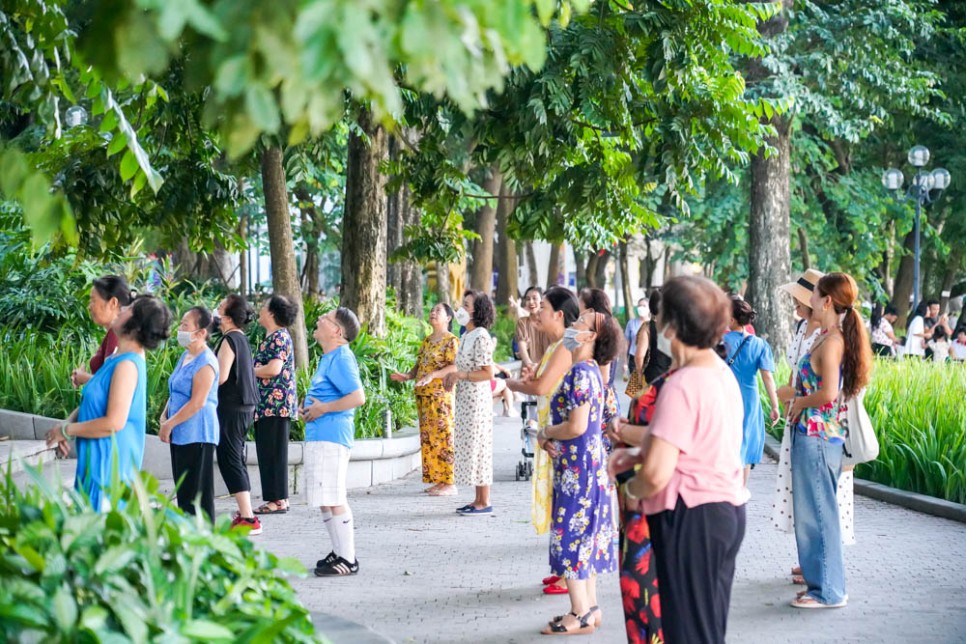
[[801, 289]]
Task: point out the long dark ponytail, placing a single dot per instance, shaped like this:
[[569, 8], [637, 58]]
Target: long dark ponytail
[[857, 355]]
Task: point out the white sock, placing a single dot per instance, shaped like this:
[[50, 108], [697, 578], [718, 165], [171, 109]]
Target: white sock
[[330, 528], [346, 540]]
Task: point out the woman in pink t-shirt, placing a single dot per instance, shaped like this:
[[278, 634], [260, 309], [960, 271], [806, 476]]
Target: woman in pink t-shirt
[[690, 477]]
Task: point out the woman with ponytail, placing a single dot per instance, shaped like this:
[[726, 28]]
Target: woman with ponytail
[[836, 368]]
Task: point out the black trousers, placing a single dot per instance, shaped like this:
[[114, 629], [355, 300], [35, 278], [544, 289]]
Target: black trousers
[[234, 426], [695, 551], [195, 462], [271, 445]]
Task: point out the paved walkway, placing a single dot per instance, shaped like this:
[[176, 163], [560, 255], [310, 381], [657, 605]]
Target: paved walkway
[[430, 575]]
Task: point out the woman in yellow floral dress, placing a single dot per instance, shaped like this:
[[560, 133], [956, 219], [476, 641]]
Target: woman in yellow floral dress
[[437, 357]]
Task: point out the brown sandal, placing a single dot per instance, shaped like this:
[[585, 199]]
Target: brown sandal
[[583, 626], [272, 507]]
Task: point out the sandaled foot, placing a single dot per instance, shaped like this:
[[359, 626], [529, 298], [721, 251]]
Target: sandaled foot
[[272, 507], [798, 580], [432, 488], [796, 570], [444, 490], [597, 617], [570, 624], [807, 601]]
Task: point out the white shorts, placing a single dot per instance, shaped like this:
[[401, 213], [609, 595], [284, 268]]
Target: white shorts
[[326, 467]]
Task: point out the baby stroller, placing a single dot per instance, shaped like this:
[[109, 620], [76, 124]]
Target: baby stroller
[[528, 435]]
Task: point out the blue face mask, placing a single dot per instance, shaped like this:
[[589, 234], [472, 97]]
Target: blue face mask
[[570, 340]]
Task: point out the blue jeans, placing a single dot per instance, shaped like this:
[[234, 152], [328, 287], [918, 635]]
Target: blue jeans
[[816, 465]]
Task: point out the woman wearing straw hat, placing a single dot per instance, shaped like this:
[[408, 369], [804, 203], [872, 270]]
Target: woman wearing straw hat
[[807, 331]]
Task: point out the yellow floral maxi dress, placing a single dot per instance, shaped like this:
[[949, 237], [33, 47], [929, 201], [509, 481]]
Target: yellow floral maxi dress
[[435, 408], [542, 479]]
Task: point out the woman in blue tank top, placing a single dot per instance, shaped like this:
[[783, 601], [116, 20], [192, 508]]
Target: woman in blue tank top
[[111, 424]]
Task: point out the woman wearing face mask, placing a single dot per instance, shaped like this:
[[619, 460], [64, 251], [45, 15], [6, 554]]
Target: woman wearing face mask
[[558, 312], [436, 359], [583, 537], [473, 435], [689, 478], [237, 396], [111, 422], [655, 358], [189, 421], [109, 294]]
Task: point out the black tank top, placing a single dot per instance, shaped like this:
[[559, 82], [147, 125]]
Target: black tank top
[[238, 392], [657, 362]]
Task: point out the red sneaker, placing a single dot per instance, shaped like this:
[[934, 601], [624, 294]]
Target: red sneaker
[[254, 525]]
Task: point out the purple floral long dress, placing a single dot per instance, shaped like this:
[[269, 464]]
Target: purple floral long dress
[[583, 537]]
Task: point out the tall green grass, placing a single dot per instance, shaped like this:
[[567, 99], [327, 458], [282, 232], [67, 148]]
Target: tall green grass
[[918, 412]]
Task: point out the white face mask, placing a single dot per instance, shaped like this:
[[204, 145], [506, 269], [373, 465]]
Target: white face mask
[[184, 338], [642, 312], [462, 317], [663, 342]]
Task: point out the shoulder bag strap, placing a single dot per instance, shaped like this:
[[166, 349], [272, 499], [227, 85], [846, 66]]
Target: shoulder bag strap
[[734, 356]]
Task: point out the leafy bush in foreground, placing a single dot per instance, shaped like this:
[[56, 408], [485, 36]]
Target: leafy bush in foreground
[[142, 573]]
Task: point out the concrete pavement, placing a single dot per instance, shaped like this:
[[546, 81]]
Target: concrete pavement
[[430, 575]]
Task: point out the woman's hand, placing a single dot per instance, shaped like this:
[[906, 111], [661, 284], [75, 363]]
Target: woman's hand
[[399, 377], [450, 380], [79, 376], [425, 380], [621, 460], [164, 432], [785, 394], [57, 438], [547, 444], [796, 409], [613, 430]]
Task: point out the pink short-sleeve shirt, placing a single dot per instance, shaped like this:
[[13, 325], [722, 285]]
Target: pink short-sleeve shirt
[[699, 411]]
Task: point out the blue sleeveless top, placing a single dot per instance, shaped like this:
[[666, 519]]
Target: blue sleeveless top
[[203, 426], [96, 456]]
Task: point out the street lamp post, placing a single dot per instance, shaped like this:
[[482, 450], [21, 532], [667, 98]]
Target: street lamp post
[[923, 185]]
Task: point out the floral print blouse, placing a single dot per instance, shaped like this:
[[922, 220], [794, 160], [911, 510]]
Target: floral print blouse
[[825, 422], [433, 356], [276, 396]]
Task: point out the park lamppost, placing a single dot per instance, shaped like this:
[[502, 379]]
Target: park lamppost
[[924, 185]]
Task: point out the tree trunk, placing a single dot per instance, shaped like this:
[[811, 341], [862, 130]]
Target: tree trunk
[[629, 309], [600, 277], [902, 289], [581, 269], [949, 276], [403, 276], [410, 293], [285, 277], [803, 247], [442, 283], [364, 226], [558, 258], [769, 257], [481, 278], [590, 270], [508, 284], [243, 256], [534, 272]]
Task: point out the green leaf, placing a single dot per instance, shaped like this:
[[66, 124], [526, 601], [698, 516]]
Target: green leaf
[[205, 630], [65, 609], [129, 165], [262, 108], [115, 558], [118, 143]]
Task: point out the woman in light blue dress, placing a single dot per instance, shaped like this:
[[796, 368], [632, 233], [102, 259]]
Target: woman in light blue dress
[[189, 421], [111, 424], [747, 355]]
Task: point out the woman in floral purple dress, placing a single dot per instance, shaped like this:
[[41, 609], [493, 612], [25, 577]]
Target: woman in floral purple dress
[[583, 535]]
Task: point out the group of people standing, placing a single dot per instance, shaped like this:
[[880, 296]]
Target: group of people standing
[[216, 396]]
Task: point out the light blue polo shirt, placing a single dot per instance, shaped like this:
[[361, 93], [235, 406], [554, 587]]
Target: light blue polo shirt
[[337, 376], [203, 426]]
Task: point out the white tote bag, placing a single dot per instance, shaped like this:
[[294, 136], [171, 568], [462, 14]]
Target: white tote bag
[[861, 444]]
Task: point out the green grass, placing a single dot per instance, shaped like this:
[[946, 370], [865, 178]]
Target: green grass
[[919, 417]]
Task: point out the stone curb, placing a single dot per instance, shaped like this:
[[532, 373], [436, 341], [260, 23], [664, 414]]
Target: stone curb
[[910, 500], [342, 631]]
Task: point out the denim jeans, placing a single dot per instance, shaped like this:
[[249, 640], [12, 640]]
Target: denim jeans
[[816, 465]]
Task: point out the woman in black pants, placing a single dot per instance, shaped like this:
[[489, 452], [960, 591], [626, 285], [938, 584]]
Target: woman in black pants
[[275, 377], [237, 397]]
